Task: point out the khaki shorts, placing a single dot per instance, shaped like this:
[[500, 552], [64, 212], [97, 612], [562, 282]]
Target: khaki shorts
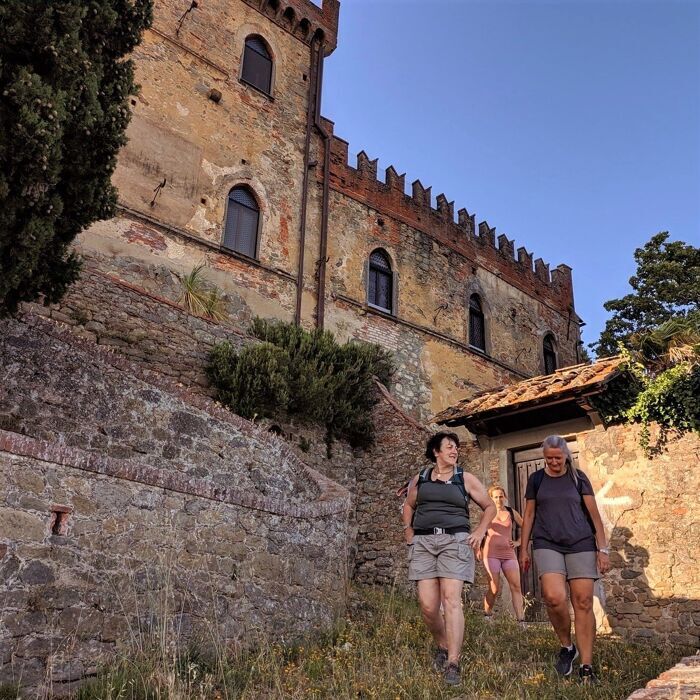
[[441, 556], [574, 565]]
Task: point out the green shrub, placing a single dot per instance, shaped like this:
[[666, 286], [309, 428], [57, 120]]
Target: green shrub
[[253, 382], [305, 374]]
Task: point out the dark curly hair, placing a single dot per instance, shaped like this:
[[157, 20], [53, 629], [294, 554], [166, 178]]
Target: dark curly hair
[[435, 442]]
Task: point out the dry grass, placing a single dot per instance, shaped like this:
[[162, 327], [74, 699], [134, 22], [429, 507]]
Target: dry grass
[[381, 651]]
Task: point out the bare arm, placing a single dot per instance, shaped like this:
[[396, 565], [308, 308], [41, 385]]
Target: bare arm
[[479, 495], [519, 523], [518, 518], [528, 519], [409, 506], [600, 538]]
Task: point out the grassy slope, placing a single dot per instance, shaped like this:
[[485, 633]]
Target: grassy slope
[[383, 651]]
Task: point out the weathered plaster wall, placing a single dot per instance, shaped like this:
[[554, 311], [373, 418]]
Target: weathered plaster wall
[[650, 510], [131, 504]]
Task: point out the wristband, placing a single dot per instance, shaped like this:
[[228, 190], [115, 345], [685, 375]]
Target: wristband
[[604, 550]]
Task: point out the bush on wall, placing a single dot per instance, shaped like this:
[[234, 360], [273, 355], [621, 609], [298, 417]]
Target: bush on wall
[[661, 384], [309, 375]]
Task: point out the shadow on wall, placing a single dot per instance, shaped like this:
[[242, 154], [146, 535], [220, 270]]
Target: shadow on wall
[[633, 609]]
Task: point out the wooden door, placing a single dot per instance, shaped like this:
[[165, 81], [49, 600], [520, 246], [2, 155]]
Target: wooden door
[[525, 462]]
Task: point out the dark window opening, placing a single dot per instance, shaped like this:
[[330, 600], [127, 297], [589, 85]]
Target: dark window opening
[[550, 355], [380, 281], [257, 64], [477, 327], [242, 220]]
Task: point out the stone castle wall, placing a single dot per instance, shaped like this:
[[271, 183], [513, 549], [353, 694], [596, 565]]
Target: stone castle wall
[[132, 507], [201, 148]]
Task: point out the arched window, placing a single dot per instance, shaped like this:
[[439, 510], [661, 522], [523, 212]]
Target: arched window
[[257, 64], [242, 222], [380, 287], [550, 354], [477, 327]]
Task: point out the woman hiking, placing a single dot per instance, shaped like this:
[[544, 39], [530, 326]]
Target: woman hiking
[[441, 545], [569, 547]]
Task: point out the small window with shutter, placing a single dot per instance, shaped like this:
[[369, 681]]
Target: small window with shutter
[[550, 354], [380, 292], [477, 326], [242, 221], [257, 64]]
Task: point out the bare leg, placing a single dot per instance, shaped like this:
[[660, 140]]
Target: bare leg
[[555, 598], [584, 619], [512, 574], [429, 600], [494, 587], [451, 592]]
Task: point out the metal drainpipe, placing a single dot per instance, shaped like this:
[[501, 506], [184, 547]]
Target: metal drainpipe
[[310, 116], [321, 300]]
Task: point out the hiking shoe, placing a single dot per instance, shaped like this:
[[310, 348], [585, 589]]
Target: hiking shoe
[[440, 660], [452, 676], [565, 660], [586, 675]]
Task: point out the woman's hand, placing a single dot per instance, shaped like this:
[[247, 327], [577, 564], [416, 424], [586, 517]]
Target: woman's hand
[[514, 544], [478, 554], [524, 559], [603, 561], [474, 540]]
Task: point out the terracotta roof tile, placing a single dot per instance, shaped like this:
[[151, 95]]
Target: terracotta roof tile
[[576, 379]]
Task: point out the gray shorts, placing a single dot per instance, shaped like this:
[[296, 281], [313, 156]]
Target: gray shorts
[[575, 565], [441, 556]]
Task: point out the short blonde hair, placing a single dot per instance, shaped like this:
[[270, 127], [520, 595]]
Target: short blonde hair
[[496, 487]]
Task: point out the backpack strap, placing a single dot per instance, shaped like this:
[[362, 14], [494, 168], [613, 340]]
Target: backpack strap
[[458, 479], [537, 480], [424, 476]]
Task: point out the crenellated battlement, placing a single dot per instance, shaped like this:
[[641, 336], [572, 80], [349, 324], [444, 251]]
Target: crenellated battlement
[[389, 196], [303, 18]]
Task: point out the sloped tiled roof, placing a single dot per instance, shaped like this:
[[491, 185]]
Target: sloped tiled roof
[[574, 381]]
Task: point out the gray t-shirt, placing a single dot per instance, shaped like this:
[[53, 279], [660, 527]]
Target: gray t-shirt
[[562, 522]]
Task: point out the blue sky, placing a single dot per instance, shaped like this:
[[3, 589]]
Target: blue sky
[[572, 126]]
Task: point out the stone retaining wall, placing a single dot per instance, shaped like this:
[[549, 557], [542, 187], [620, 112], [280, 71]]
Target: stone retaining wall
[[148, 327], [101, 547]]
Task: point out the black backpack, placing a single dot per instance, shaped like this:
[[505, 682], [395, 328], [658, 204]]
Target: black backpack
[[457, 478]]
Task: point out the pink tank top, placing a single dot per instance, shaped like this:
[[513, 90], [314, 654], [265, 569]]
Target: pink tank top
[[497, 538]]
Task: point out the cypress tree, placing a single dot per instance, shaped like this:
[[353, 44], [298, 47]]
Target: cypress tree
[[64, 86]]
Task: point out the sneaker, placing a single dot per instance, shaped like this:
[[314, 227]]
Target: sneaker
[[586, 675], [452, 676], [440, 660], [565, 660], [522, 624]]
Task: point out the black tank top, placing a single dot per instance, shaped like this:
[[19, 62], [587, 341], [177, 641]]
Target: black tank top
[[440, 504]]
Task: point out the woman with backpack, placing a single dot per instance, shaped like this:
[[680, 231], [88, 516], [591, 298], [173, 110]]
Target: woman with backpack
[[569, 547], [498, 554], [441, 545]]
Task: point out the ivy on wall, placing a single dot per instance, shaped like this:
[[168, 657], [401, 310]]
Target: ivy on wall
[[294, 372], [661, 384]]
